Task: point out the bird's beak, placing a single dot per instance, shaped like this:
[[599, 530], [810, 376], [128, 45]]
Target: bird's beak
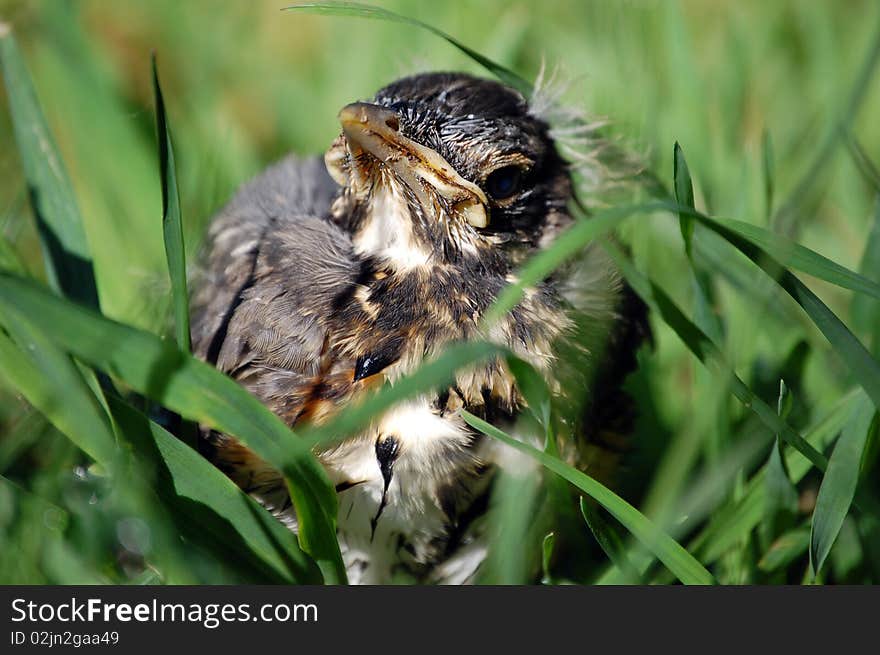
[[375, 130]]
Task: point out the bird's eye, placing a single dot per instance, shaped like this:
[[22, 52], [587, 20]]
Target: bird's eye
[[504, 182]]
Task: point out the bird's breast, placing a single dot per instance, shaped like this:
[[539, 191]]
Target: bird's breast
[[401, 485]]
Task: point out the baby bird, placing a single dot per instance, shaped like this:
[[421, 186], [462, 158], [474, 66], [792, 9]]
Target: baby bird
[[325, 278]]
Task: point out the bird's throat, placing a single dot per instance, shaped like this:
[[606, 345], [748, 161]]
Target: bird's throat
[[387, 231]]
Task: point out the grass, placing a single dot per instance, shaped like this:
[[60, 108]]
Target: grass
[[755, 458]]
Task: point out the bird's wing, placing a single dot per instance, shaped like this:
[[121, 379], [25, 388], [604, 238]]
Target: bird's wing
[[273, 266], [292, 190]]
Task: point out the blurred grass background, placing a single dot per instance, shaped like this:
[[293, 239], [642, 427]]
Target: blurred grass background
[[245, 83]]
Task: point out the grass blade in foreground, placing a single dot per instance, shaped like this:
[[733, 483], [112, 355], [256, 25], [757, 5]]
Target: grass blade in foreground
[[864, 367], [547, 557], [609, 541], [738, 517], [784, 251], [51, 382], [205, 504], [768, 170], [58, 388], [162, 372], [707, 352], [9, 259], [63, 239], [785, 549], [789, 253], [210, 507], [704, 316], [742, 516], [360, 10], [677, 559], [781, 495], [854, 354], [684, 193], [865, 312], [515, 499], [172, 227], [839, 484]]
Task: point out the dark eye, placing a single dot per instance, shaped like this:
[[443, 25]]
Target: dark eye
[[504, 182]]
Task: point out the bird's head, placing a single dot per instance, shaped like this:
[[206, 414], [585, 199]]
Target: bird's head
[[448, 169]]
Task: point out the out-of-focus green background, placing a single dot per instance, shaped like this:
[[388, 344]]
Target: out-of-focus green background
[[245, 83]]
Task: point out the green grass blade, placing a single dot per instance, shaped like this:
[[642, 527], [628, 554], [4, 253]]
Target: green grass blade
[[839, 484], [533, 388], [781, 494], [784, 550], [9, 259], [780, 248], [741, 517], [864, 367], [209, 507], [866, 311], [863, 162], [609, 541], [707, 352], [677, 559], [788, 253], [172, 227], [702, 284], [203, 501], [106, 131], [547, 547], [162, 372], [684, 195], [359, 10], [62, 236], [768, 172], [511, 525], [861, 363], [52, 383]]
